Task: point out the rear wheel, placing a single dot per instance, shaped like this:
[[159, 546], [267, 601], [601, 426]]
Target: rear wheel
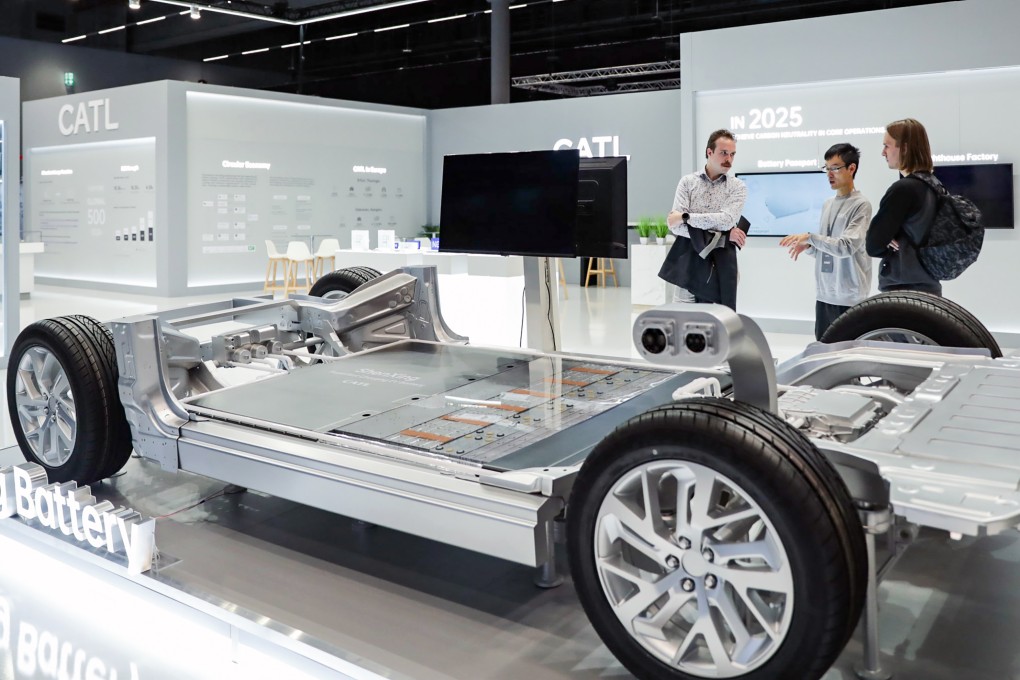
[[709, 539], [63, 402], [912, 317], [342, 282]]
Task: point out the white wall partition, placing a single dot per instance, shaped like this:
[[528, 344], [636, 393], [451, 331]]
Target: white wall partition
[[958, 76], [264, 169], [92, 179], [642, 126], [10, 176], [173, 188]]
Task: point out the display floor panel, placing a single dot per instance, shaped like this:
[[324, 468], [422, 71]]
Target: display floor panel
[[332, 593]]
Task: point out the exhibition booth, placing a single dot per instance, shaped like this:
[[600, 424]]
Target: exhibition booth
[[252, 165], [175, 188], [312, 518]]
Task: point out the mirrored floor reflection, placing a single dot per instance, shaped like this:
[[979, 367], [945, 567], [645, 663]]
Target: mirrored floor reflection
[[949, 609], [60, 622]]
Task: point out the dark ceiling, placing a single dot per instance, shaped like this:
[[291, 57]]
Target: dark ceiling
[[427, 63]]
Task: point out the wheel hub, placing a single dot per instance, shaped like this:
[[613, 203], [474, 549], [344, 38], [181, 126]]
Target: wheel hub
[[714, 612], [694, 564], [45, 406]]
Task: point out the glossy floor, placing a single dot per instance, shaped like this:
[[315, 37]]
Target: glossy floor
[[406, 607]]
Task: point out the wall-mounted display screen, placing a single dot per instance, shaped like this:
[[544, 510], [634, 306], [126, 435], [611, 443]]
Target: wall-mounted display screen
[[783, 203], [602, 207], [990, 186], [522, 203]]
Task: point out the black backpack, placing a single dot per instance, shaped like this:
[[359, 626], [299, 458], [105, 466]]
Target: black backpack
[[953, 241]]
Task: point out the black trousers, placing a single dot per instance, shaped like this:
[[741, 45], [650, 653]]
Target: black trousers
[[825, 314]]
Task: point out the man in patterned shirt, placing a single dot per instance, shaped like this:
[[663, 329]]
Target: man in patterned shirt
[[702, 262]]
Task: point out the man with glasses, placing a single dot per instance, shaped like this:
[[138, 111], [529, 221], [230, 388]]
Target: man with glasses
[[842, 264], [702, 263]]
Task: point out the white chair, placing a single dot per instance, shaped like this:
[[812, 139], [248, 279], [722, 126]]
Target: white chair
[[326, 251], [298, 253], [275, 258]]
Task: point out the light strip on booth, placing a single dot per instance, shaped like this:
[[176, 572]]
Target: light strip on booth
[[338, 37], [391, 28], [111, 30], [77, 37], [455, 16], [264, 49]]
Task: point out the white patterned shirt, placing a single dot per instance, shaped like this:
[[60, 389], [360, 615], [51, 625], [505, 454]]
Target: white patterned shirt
[[713, 205]]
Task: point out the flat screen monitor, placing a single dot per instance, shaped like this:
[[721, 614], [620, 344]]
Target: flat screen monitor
[[990, 186], [783, 203], [521, 203], [602, 207]]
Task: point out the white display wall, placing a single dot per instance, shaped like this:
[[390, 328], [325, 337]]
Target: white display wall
[[93, 207], [283, 171], [174, 188], [966, 96], [10, 176]]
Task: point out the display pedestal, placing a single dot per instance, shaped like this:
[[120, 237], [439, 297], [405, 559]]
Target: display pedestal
[[646, 288], [328, 592]]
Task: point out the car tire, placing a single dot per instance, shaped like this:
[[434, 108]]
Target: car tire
[[912, 316], [631, 554], [342, 282], [63, 400]]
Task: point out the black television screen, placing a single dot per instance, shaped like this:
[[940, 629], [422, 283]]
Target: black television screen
[[990, 186], [602, 207], [783, 203], [522, 203]]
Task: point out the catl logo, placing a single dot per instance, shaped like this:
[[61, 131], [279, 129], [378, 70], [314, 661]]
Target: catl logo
[[606, 145], [71, 121]]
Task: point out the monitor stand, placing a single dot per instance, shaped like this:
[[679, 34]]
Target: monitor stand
[[541, 299]]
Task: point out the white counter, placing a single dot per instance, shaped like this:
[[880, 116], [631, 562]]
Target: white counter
[[646, 288], [26, 265], [445, 263]]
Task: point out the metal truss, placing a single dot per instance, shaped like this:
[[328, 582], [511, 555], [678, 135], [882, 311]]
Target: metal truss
[[598, 73], [279, 14]]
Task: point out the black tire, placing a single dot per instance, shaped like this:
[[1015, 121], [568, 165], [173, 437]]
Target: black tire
[[937, 319], [801, 502], [343, 281], [84, 353]]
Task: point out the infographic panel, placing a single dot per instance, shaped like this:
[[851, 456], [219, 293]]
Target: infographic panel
[[94, 207], [320, 174]]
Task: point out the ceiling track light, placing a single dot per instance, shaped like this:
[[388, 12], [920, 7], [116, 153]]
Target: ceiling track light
[[195, 12], [134, 4]]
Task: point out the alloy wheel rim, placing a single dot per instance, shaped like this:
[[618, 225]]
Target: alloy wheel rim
[[45, 406], [693, 569], [901, 335]]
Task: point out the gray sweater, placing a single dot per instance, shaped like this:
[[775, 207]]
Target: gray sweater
[[842, 231]]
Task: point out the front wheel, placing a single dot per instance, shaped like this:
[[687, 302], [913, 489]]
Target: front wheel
[[709, 539], [63, 401]]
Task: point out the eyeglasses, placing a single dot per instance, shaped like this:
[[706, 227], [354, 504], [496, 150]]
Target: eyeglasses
[[834, 168]]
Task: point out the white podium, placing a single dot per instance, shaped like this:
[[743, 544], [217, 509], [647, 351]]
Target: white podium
[[646, 288]]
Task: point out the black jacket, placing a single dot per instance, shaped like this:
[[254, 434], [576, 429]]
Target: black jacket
[[710, 279], [905, 214]]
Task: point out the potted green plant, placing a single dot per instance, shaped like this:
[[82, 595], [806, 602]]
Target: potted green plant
[[661, 231], [644, 229]]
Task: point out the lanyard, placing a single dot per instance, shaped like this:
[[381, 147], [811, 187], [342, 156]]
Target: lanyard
[[832, 222]]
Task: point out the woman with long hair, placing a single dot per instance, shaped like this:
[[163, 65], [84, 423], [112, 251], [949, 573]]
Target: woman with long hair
[[906, 211]]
